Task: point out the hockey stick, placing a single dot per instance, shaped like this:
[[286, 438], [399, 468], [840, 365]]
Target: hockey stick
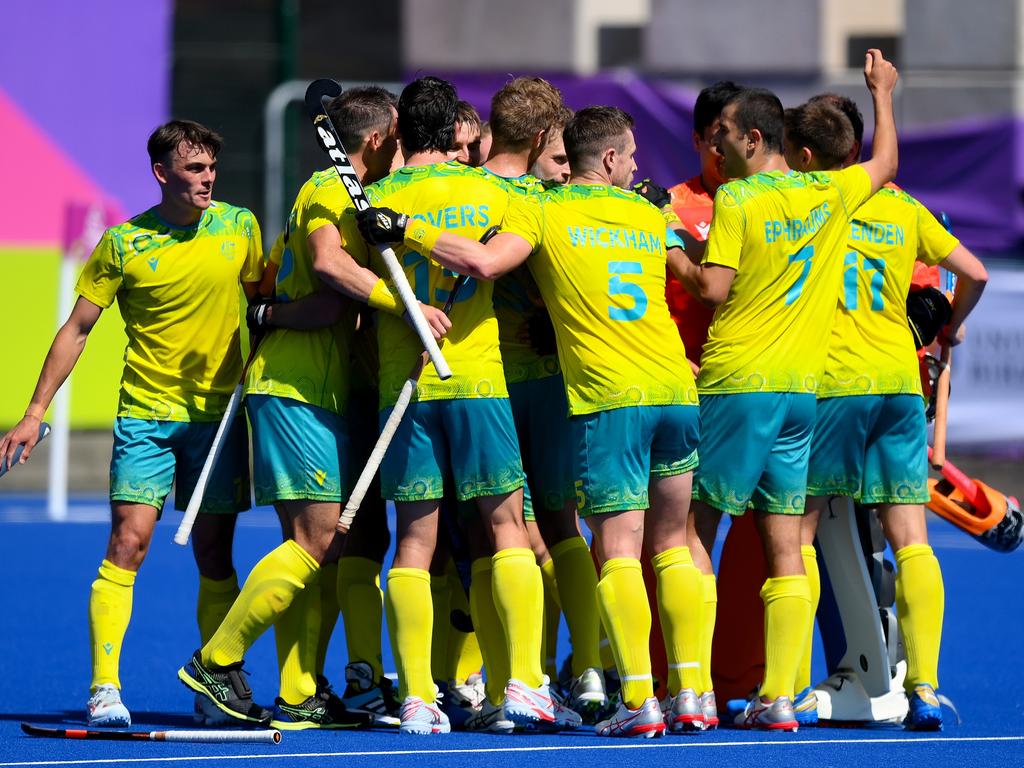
[[216, 447], [211, 737], [395, 417], [44, 430], [938, 452], [318, 94]]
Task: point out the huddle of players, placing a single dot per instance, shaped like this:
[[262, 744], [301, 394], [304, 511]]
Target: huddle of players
[[625, 458]]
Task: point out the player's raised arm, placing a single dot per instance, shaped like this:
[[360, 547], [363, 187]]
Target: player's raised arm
[[972, 278], [60, 360], [503, 253], [880, 76]]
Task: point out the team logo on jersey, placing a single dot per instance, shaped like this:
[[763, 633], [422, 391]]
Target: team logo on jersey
[[320, 477], [227, 249], [703, 228], [153, 261]]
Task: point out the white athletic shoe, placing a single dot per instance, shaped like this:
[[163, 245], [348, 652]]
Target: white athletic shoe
[[530, 708], [422, 719], [490, 719], [709, 706], [586, 693], [459, 702], [683, 712], [566, 718], [105, 710], [476, 682], [645, 722]]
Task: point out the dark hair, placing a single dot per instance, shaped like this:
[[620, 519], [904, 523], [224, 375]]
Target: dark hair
[[426, 115], [169, 136], [466, 114], [358, 112], [710, 102], [761, 109], [522, 108], [591, 131], [821, 128], [848, 107]]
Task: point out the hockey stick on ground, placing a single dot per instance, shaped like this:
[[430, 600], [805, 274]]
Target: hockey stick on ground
[[216, 447], [317, 94], [44, 430], [395, 417], [212, 737]]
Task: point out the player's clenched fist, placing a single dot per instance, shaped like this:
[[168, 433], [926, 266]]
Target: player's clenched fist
[[879, 73]]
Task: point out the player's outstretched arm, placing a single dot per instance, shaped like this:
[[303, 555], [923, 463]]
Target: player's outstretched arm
[[310, 313], [60, 360], [881, 76], [971, 280]]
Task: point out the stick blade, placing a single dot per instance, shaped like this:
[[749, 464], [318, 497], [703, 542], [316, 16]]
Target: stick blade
[[317, 91]]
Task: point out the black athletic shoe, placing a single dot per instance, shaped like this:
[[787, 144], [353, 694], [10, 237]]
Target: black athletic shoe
[[321, 710], [226, 688]]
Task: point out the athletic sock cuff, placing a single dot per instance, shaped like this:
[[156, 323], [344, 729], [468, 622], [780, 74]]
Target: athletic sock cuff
[[619, 564], [303, 557], [710, 588], [481, 565], [568, 545], [808, 550], [514, 553], [911, 551], [785, 586], [116, 574], [671, 557], [409, 573], [219, 586]]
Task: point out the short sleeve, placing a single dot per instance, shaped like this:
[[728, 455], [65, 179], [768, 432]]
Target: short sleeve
[[276, 251], [252, 269], [525, 218], [725, 240], [102, 275], [351, 240], [854, 185], [934, 243]]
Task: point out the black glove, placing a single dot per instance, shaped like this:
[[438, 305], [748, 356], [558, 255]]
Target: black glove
[[381, 225], [542, 332], [256, 315], [928, 311], [654, 194]]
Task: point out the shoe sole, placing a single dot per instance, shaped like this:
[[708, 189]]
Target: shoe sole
[[109, 722], [688, 724], [409, 731], [190, 682], [652, 731], [525, 721]]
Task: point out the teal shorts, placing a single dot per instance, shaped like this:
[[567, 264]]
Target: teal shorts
[[149, 456], [872, 448], [617, 452], [540, 410], [473, 439], [753, 451], [298, 451]]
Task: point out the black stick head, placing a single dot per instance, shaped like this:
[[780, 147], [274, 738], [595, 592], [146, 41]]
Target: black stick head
[[317, 92]]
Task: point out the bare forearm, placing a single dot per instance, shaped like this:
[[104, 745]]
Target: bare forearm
[[968, 293], [60, 361], [884, 145], [464, 256], [318, 310]]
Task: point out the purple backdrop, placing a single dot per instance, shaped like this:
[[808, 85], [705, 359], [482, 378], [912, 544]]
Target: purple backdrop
[[965, 169]]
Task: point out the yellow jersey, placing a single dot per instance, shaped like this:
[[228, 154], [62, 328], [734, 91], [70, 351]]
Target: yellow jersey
[[310, 366], [784, 234], [599, 261], [871, 350], [465, 201], [178, 292]]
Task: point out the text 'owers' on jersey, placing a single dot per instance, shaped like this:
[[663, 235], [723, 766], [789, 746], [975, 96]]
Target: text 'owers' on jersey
[[871, 350], [310, 366], [784, 234], [465, 201], [599, 261], [178, 292]]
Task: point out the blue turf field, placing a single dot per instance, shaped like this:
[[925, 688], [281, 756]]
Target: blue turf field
[[45, 668]]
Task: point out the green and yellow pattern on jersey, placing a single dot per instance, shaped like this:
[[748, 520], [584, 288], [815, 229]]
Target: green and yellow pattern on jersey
[[871, 351], [604, 285], [471, 346], [178, 292], [784, 234], [309, 366]]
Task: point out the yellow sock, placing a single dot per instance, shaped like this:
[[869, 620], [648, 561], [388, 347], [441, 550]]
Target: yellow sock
[[707, 635], [810, 557], [272, 585], [489, 632], [604, 647], [110, 610], [626, 616], [214, 602], [680, 605], [519, 599], [463, 658], [362, 607], [920, 597], [328, 612], [577, 590], [787, 622], [410, 616], [297, 636], [552, 618], [441, 597]]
